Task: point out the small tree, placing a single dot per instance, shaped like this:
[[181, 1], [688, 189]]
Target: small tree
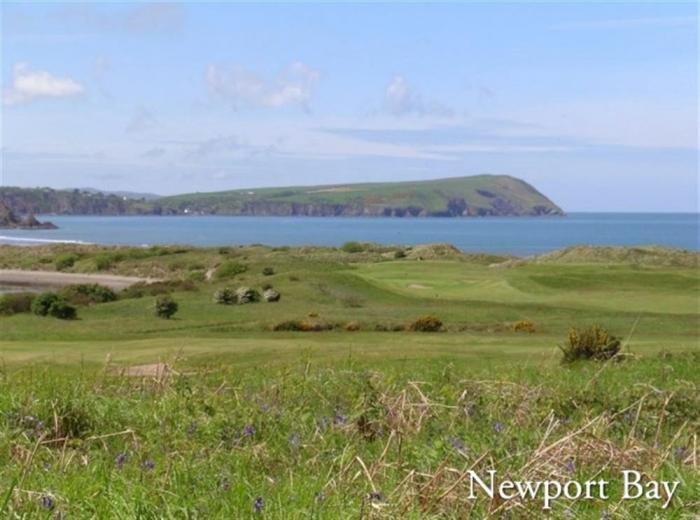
[[165, 307]]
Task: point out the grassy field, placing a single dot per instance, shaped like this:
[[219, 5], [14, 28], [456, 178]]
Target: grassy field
[[363, 420]]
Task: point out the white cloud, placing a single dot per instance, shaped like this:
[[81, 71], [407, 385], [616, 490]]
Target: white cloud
[[28, 84], [400, 100], [293, 87]]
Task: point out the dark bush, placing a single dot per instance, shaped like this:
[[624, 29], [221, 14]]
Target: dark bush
[[225, 296], [63, 310], [591, 343], [42, 303], [266, 286], [51, 304], [86, 294], [400, 254], [165, 307], [268, 271], [426, 324], [352, 247], [16, 303], [229, 269], [65, 261]]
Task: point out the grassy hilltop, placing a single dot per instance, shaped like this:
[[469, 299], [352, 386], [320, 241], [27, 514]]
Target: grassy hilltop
[[326, 405], [479, 195]]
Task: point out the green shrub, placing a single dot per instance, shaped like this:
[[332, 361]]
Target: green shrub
[[65, 261], [225, 296], [42, 303], [591, 343], [268, 271], [426, 324], [352, 247], [16, 303], [229, 269], [165, 307], [51, 304], [86, 294], [63, 310], [400, 254]]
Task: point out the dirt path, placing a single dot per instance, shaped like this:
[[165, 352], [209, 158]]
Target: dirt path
[[53, 279]]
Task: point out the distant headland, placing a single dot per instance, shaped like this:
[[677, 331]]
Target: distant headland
[[474, 196]]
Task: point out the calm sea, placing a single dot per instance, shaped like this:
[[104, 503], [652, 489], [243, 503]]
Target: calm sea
[[518, 236]]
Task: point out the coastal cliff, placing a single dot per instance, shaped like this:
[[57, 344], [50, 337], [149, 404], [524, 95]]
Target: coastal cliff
[[475, 196]]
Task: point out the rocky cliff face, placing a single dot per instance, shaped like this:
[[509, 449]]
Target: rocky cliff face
[[9, 220]]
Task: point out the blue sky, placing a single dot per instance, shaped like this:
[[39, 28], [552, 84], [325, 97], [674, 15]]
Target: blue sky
[[595, 104]]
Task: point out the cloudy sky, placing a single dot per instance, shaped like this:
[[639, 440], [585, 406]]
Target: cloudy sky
[[596, 105]]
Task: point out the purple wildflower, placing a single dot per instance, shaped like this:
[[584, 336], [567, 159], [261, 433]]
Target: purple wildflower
[[120, 459], [679, 453], [149, 465], [322, 424], [571, 466], [606, 516], [339, 417], [498, 427], [192, 428], [258, 505], [457, 444], [47, 502], [249, 430]]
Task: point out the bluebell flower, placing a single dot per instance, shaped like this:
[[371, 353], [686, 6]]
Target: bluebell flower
[[258, 505], [120, 459], [47, 502]]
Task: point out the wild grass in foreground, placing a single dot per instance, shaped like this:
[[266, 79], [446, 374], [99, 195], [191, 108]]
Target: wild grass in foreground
[[343, 440]]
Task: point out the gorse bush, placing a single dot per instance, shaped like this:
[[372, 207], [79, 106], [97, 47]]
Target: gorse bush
[[16, 303], [86, 294], [524, 326], [165, 307], [426, 324], [65, 261], [229, 269], [591, 343], [352, 247], [51, 304]]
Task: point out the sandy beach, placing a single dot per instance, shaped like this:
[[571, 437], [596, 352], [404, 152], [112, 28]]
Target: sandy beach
[[54, 279]]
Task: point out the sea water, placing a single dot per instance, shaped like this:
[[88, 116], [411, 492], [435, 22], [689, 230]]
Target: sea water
[[500, 235]]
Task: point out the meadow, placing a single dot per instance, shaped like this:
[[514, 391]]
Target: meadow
[[223, 411]]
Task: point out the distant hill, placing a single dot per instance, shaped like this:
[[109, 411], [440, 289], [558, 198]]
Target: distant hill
[[481, 195]]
